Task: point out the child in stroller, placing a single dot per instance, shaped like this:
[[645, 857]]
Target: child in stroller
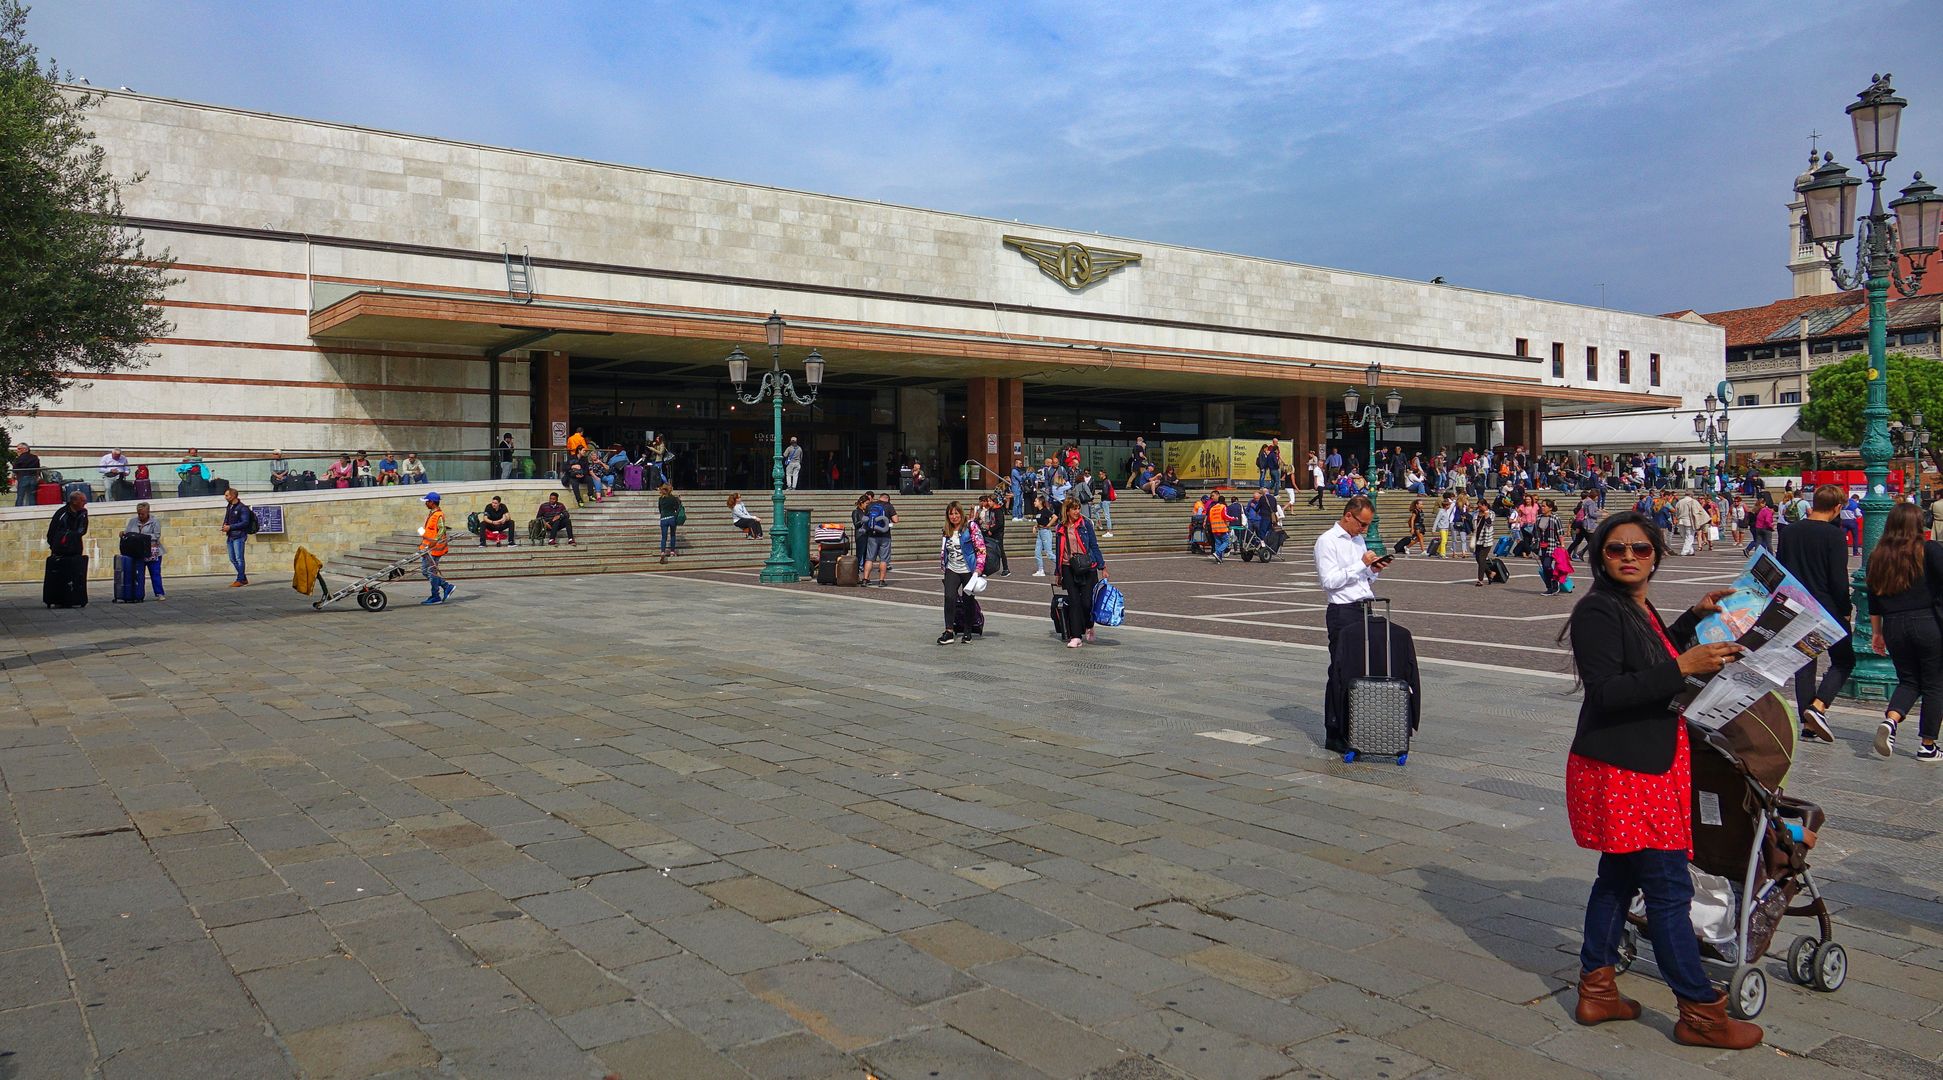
[[1750, 860]]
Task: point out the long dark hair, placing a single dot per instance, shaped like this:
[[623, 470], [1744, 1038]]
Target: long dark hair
[[1896, 564], [1603, 583]]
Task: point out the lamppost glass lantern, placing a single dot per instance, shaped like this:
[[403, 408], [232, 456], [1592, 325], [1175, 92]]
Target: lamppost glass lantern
[[813, 369], [1394, 402], [1711, 402], [1371, 374], [1352, 401], [1700, 420], [1918, 214], [1876, 114], [738, 367], [1830, 199], [1722, 424], [773, 330]]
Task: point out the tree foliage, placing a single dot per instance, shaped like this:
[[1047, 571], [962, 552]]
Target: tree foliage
[[75, 285], [1838, 392]]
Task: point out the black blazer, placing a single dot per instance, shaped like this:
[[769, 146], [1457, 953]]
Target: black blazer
[[1629, 682]]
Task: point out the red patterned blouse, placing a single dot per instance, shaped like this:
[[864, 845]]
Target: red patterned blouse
[[1617, 811]]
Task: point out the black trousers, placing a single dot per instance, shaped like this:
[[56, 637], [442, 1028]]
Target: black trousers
[[558, 525], [995, 553], [1335, 618], [1079, 591], [1916, 648], [1808, 689], [956, 617]]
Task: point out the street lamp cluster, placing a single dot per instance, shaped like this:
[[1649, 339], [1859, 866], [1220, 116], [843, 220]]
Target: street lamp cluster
[[1713, 428], [774, 385], [1829, 194], [1376, 418]]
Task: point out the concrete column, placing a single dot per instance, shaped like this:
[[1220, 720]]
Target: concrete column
[[551, 387], [917, 420], [1305, 421], [1440, 431], [982, 439], [1011, 422]]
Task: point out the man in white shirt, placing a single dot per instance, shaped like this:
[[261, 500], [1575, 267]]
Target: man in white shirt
[[114, 470], [1347, 568]]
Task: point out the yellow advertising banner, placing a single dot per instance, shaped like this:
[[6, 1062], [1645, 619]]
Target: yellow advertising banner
[[1211, 459]]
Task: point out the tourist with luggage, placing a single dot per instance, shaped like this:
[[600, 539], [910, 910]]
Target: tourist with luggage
[[239, 523], [1346, 570], [26, 475], [279, 471], [1483, 540], [990, 517], [114, 475], [1080, 568], [192, 475], [672, 515], [146, 524], [554, 519], [431, 548], [66, 582], [1628, 781], [1905, 583], [741, 517], [961, 557]]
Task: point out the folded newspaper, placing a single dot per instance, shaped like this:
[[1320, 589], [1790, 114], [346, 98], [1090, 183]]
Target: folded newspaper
[[1781, 626]]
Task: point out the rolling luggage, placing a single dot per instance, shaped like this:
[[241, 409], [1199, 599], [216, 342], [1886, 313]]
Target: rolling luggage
[[128, 580], [144, 490], [847, 570], [66, 584], [1061, 615], [218, 486], [1502, 548], [81, 486], [1496, 572], [974, 617], [48, 494], [1377, 719], [634, 477]]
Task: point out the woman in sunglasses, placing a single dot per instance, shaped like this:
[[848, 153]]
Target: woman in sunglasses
[[1628, 780]]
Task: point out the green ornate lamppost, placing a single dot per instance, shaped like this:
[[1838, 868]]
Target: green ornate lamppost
[[1376, 417], [1829, 194], [776, 383]]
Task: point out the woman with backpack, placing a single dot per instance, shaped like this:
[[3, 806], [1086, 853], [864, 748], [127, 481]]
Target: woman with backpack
[[672, 515], [961, 556], [1081, 566]]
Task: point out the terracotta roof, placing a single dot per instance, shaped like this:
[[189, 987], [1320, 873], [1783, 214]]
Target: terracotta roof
[[1842, 314]]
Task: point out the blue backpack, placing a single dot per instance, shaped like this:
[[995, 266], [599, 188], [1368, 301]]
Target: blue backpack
[[1109, 607]]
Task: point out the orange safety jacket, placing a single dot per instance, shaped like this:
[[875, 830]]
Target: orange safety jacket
[[433, 535]]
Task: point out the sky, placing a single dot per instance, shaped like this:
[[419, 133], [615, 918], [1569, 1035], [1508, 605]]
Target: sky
[[1637, 155]]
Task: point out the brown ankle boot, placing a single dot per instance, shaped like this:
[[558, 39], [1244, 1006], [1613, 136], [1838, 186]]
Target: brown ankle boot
[[1600, 999], [1709, 1025]]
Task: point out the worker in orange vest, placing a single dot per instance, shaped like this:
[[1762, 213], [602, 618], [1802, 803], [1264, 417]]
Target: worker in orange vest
[[1218, 521], [432, 548]]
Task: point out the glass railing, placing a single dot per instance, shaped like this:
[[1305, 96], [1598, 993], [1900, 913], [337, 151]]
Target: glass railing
[[138, 477]]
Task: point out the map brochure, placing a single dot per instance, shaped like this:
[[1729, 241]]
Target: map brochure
[[1781, 626]]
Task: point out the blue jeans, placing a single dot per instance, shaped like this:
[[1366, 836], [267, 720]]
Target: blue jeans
[[430, 565], [236, 545], [28, 490], [1221, 544], [1046, 550], [1102, 515], [1663, 877], [155, 574], [668, 533], [1018, 501]]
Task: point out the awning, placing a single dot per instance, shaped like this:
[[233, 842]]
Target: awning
[[1765, 428]]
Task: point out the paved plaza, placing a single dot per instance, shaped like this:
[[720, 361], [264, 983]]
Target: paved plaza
[[659, 826]]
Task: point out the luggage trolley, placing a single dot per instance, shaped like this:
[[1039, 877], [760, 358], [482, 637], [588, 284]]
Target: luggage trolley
[[371, 597]]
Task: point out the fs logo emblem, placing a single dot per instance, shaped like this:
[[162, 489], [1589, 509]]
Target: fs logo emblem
[[1075, 266]]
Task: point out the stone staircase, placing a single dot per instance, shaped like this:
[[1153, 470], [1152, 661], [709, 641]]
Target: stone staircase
[[621, 535]]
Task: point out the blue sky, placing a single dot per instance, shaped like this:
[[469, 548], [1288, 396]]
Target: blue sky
[[1544, 147]]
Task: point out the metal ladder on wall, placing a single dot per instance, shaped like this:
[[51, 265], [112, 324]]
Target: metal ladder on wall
[[519, 274]]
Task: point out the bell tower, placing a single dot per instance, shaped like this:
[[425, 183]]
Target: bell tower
[[1805, 262]]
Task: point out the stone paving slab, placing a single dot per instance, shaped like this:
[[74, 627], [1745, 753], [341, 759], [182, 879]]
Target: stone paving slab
[[675, 827]]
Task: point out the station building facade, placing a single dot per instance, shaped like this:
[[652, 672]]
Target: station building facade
[[343, 289]]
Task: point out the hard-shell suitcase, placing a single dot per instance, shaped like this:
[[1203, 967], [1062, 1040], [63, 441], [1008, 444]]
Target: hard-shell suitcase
[[48, 494], [634, 477], [1496, 572], [974, 617], [128, 580], [1061, 615], [73, 486], [66, 584], [1377, 720], [1503, 547], [847, 570], [144, 489]]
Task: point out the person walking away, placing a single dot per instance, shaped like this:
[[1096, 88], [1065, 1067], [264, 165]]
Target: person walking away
[[1346, 569], [505, 455], [961, 554], [1045, 543], [239, 521], [1446, 509], [741, 517], [431, 548], [1764, 522], [1081, 566], [792, 463], [1905, 582], [1546, 536], [1852, 523], [1692, 519], [1103, 498], [1483, 536], [670, 509], [145, 523], [1218, 525], [26, 475], [1628, 782], [1817, 555], [1317, 482], [991, 521]]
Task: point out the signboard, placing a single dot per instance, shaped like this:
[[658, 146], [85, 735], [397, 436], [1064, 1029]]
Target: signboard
[[1211, 459], [991, 442], [269, 520], [559, 433]]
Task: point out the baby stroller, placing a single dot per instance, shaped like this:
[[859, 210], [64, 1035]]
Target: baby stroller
[[1757, 839]]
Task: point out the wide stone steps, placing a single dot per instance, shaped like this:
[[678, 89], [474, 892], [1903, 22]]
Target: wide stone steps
[[622, 535]]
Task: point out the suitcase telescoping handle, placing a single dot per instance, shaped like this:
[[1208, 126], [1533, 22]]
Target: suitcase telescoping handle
[[1368, 656]]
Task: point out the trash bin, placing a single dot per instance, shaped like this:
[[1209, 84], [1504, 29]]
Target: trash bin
[[796, 530]]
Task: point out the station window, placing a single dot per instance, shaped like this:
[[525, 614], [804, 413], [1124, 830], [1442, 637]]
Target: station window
[[1920, 337], [1763, 353], [1854, 343], [1592, 363], [1653, 369], [1790, 397], [1748, 399], [1625, 366], [1819, 347], [1558, 359], [1522, 346]]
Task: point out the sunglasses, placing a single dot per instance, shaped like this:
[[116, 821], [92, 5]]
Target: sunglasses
[[1641, 549]]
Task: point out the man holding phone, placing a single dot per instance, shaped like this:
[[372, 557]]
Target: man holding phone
[[1347, 568]]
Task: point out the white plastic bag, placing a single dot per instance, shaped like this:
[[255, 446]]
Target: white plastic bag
[[975, 585], [1713, 912]]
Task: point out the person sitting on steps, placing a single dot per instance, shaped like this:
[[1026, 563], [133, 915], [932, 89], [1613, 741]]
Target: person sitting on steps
[[553, 517]]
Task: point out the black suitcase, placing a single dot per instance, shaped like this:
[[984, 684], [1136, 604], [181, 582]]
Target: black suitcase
[[1496, 572], [1377, 715], [218, 486], [66, 585], [137, 546], [1061, 609], [128, 580], [974, 617]]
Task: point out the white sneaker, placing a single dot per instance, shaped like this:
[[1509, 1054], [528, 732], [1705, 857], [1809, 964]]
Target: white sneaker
[[1886, 738], [1038, 573], [1106, 534]]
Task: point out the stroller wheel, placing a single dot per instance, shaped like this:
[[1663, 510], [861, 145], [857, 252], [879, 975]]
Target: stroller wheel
[[1801, 959], [1628, 951], [1747, 995], [1831, 967]]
